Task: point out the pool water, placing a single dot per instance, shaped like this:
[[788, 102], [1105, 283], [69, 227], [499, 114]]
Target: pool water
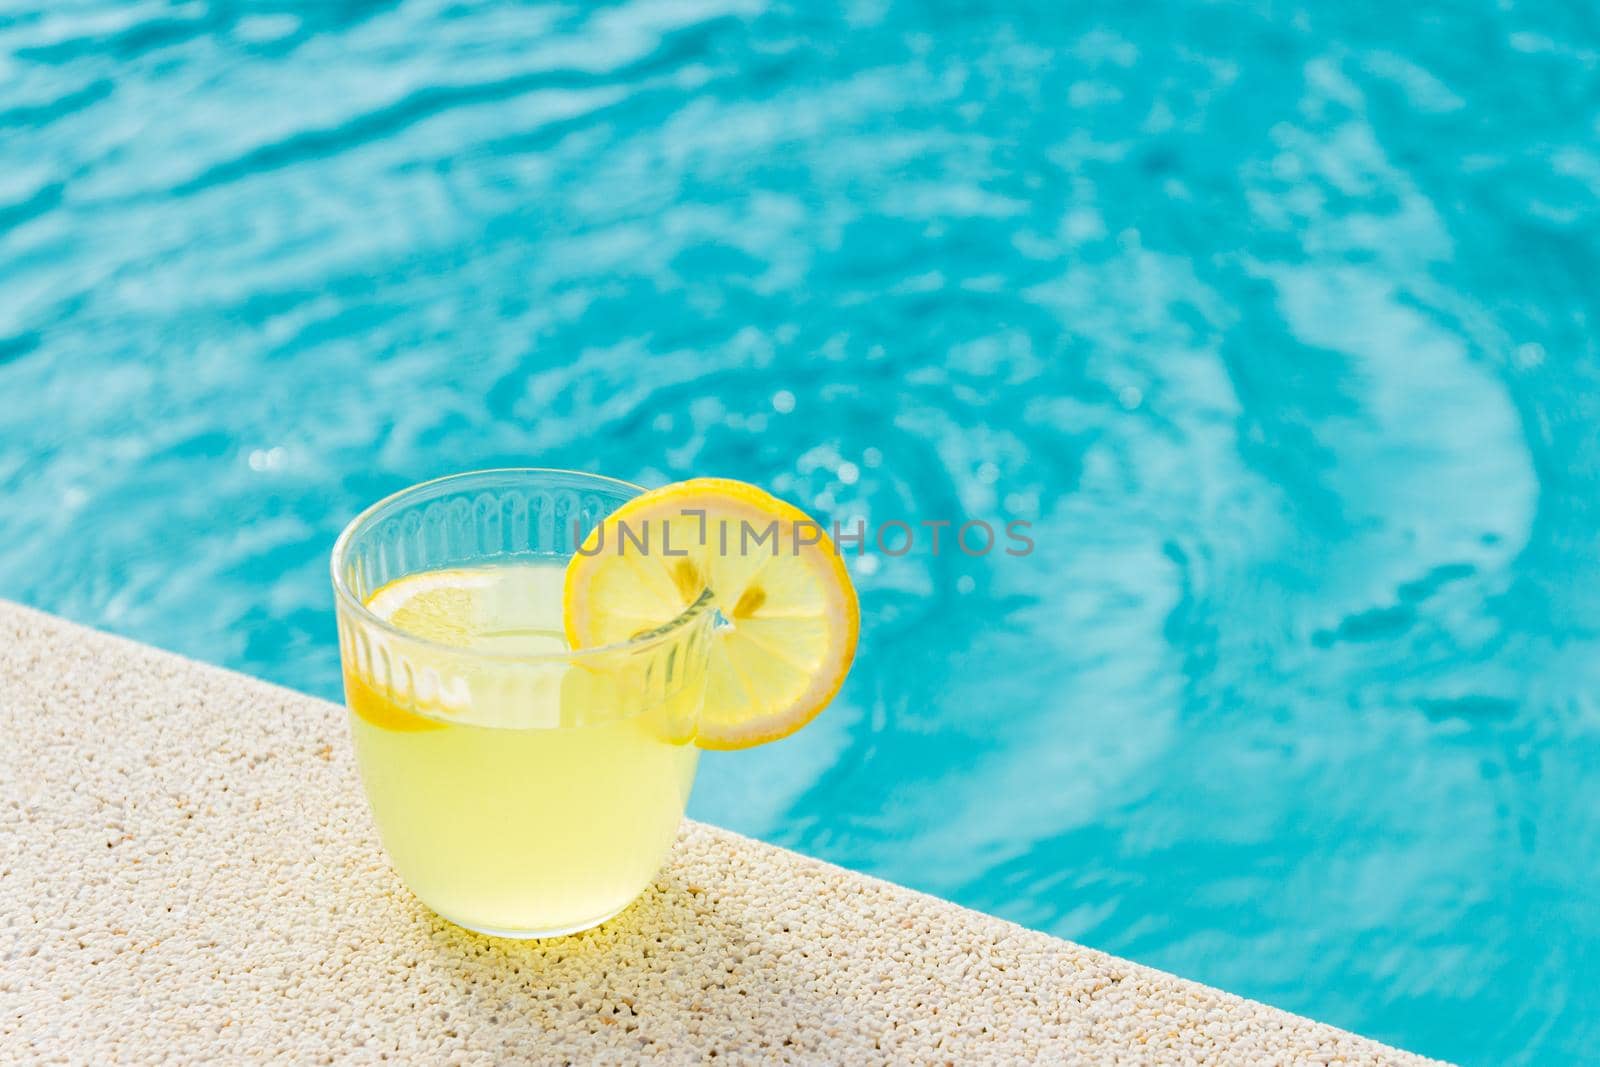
[[1278, 325]]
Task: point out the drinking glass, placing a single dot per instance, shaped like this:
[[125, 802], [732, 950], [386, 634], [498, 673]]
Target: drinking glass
[[520, 788]]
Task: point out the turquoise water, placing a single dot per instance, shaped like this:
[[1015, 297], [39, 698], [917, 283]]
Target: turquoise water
[[1277, 324]]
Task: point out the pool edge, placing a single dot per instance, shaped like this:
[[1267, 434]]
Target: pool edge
[[226, 898]]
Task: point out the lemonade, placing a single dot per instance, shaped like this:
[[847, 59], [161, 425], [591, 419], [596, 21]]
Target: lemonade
[[528, 697], [510, 830]]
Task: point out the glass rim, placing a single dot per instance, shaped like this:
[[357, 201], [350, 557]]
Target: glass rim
[[347, 598]]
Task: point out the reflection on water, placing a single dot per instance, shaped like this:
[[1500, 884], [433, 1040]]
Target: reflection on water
[[1277, 328]]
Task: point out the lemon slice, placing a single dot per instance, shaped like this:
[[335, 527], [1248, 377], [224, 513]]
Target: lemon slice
[[499, 609], [440, 605], [437, 605], [510, 610], [789, 610]]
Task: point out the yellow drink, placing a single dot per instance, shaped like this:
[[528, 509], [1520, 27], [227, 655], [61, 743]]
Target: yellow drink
[[516, 793], [527, 789]]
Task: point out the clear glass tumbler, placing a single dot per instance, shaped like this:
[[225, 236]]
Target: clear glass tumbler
[[521, 789]]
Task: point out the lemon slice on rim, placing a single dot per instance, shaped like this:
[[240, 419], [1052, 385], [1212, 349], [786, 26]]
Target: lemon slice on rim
[[790, 614]]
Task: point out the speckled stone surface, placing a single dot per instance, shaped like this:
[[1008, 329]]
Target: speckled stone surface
[[187, 873]]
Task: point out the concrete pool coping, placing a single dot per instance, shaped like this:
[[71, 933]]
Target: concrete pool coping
[[188, 874]]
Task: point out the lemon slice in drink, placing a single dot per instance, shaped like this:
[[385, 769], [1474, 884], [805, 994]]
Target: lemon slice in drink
[[439, 605], [481, 609], [790, 611]]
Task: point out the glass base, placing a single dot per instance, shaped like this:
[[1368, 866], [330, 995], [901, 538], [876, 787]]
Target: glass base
[[530, 935]]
